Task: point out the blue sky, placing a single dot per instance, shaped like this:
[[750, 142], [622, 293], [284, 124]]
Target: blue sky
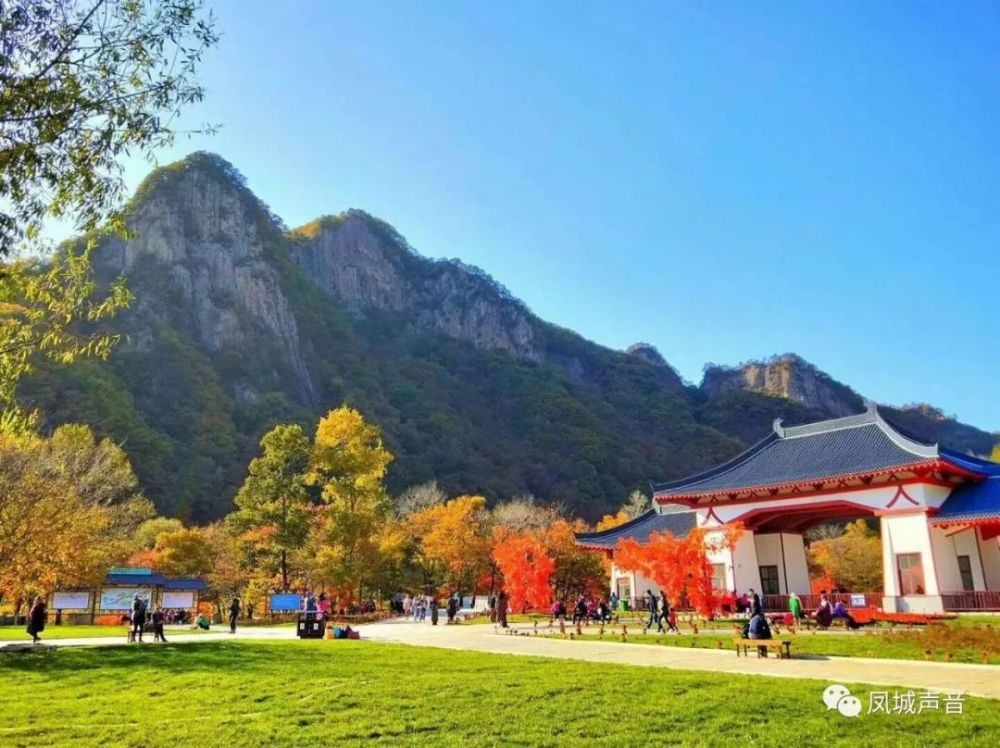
[[723, 180]]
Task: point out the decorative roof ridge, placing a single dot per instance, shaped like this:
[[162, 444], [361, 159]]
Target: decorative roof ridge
[[718, 469], [870, 417], [905, 441], [805, 481]]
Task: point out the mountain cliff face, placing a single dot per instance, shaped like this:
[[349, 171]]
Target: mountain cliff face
[[196, 224], [787, 376], [240, 324], [815, 394], [364, 263]]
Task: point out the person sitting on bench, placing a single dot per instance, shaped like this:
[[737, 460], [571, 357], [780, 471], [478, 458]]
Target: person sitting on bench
[[824, 613], [758, 629]]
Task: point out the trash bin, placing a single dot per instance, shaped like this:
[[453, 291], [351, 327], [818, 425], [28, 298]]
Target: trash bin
[[311, 626], [623, 606]]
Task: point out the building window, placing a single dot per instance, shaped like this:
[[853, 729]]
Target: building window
[[965, 569], [769, 580], [911, 574], [719, 577]]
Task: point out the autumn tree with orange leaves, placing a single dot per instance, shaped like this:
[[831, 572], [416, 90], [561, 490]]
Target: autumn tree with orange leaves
[[680, 566], [526, 566]]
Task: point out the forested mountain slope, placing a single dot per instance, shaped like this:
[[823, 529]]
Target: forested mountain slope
[[240, 323]]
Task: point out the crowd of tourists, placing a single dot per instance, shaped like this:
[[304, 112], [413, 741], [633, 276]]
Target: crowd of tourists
[[586, 609], [418, 607]]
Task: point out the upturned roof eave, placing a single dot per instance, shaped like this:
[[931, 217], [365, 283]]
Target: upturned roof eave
[[806, 482]]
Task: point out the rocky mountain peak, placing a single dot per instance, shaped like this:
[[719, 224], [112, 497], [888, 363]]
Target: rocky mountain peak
[[648, 353], [787, 376], [364, 263], [196, 222]]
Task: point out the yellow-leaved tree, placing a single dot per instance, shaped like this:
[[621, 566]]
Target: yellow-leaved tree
[[63, 524], [609, 521], [452, 544], [348, 463], [187, 552], [853, 560]]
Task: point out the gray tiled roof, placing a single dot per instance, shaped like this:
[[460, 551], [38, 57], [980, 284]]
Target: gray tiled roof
[[679, 524], [856, 444]]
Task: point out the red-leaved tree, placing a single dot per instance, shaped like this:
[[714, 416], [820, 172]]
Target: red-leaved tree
[[679, 566], [526, 566]]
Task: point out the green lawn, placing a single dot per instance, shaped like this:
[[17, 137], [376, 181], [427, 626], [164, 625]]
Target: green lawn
[[8, 633], [975, 619], [968, 646], [356, 693]]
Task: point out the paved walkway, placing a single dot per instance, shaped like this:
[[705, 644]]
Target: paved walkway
[[975, 680]]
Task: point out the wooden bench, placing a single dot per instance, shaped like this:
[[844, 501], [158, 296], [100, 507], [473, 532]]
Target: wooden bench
[[782, 646]]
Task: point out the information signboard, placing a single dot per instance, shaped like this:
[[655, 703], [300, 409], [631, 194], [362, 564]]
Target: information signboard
[[70, 601], [120, 598], [285, 603]]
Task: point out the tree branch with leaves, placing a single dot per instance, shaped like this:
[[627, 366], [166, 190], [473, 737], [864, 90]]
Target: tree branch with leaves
[[84, 83]]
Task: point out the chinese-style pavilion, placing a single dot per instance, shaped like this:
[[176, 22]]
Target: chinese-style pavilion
[[939, 513]]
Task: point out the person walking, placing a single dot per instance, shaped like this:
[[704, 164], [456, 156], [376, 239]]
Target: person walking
[[665, 617], [756, 608], [138, 617], [158, 617], [491, 601], [234, 613], [651, 607], [36, 619], [407, 605], [502, 608], [795, 607]]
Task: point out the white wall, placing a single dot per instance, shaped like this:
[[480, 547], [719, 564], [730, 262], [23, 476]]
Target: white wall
[[875, 499], [910, 533], [990, 551], [639, 583], [769, 554], [787, 552], [948, 575], [796, 565], [907, 534], [964, 543], [718, 554], [745, 572]]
